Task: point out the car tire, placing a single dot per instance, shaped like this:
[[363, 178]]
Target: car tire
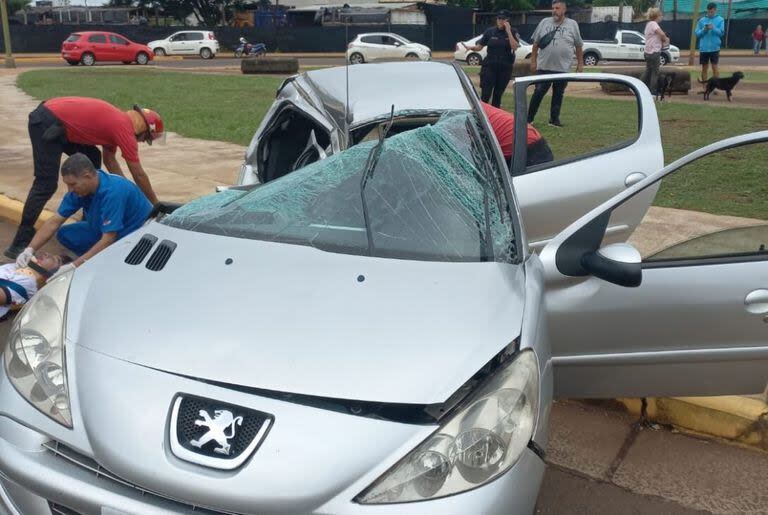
[[664, 59], [88, 59], [142, 58], [71, 62], [206, 53], [412, 56], [474, 59], [356, 58], [591, 59], [160, 52]]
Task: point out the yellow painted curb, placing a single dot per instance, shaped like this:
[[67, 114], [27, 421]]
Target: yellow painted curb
[[11, 209], [739, 419]]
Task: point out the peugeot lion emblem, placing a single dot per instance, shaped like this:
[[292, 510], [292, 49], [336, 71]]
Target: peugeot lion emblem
[[223, 421], [215, 434]]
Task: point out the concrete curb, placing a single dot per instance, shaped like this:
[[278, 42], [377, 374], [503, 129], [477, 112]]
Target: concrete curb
[[11, 209], [739, 419]]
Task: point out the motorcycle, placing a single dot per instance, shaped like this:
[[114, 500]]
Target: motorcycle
[[250, 50]]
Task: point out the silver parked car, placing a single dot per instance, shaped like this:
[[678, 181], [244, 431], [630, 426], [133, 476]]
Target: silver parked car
[[365, 330]]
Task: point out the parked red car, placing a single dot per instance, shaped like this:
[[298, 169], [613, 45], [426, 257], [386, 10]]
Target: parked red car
[[90, 47]]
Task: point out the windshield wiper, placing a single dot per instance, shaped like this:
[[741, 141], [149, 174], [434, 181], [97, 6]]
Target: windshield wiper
[[485, 180], [370, 166]]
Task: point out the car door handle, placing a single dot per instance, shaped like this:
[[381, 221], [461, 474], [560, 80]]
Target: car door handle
[[633, 179], [756, 302]]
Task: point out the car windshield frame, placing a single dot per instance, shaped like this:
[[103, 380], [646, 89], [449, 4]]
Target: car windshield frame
[[453, 208]]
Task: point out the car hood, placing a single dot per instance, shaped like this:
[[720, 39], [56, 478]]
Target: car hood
[[295, 319]]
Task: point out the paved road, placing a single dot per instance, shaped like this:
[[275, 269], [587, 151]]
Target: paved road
[[224, 61]]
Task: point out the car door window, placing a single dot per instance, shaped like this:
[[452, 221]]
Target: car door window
[[195, 36], [633, 39], [372, 40], [178, 37], [712, 210], [97, 38], [117, 40], [695, 319], [603, 146], [390, 41]]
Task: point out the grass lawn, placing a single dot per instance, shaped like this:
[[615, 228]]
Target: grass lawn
[[215, 107], [230, 108]]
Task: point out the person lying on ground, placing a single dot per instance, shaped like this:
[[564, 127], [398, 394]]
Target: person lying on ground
[[19, 283], [113, 207], [503, 125]]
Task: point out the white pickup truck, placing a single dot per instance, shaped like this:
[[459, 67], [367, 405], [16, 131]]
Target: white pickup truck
[[627, 45]]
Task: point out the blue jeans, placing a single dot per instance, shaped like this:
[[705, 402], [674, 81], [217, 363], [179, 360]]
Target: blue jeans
[[756, 46], [78, 237]]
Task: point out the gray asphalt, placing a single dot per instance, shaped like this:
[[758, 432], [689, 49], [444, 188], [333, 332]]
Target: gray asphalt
[[225, 61]]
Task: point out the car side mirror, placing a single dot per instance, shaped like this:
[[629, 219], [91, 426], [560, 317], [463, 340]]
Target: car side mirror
[[619, 263]]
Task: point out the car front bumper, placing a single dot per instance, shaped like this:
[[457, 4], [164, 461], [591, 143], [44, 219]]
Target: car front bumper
[[123, 465], [32, 479]]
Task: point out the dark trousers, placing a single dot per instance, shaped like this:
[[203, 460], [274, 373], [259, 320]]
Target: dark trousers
[[536, 153], [541, 89], [48, 144], [494, 78], [651, 74]]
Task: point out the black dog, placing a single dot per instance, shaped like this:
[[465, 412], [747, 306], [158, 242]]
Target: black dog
[[726, 84], [664, 86]]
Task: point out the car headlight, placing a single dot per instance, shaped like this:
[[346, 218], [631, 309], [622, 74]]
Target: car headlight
[[34, 354], [481, 441]]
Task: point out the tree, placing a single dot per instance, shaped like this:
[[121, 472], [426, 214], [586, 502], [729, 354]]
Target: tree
[[17, 5], [462, 3]]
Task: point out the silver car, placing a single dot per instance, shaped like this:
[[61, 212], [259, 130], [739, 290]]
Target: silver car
[[365, 330]]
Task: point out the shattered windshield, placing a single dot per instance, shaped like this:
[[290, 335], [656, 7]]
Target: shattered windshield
[[435, 195]]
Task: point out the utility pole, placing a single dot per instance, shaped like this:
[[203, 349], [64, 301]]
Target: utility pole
[[694, 19], [9, 62], [728, 24]]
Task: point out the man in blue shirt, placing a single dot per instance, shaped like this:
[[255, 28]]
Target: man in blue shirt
[[709, 30], [112, 207]]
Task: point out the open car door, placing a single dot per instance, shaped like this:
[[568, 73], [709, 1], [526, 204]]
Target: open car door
[[696, 320], [609, 141]]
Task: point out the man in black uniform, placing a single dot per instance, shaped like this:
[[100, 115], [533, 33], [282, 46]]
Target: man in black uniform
[[502, 41]]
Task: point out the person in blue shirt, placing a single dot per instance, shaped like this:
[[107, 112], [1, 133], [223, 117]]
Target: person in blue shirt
[[113, 207], [709, 30]]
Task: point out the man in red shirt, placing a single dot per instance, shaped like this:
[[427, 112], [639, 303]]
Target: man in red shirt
[[503, 125], [68, 125]]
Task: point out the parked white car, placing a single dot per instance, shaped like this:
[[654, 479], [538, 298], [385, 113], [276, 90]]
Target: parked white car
[[385, 46], [627, 45], [474, 58], [187, 42]]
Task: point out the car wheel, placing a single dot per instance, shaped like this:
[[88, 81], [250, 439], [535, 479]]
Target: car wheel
[[356, 58], [206, 53], [160, 52], [590, 59], [664, 59], [142, 58], [88, 59], [411, 56], [474, 59], [72, 63]]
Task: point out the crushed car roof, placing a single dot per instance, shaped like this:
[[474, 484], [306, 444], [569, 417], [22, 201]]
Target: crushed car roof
[[374, 88]]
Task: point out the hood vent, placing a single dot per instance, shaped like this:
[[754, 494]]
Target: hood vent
[[142, 248], [161, 255]]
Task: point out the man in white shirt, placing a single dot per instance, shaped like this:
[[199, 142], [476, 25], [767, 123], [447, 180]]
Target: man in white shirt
[[19, 283]]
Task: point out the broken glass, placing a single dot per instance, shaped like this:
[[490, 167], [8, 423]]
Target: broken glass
[[435, 195]]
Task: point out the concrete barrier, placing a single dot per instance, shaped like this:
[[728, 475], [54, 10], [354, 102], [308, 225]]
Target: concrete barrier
[[269, 64], [681, 79]]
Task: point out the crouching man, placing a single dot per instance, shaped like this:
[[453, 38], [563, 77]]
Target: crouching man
[[112, 206], [503, 125], [19, 283]]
